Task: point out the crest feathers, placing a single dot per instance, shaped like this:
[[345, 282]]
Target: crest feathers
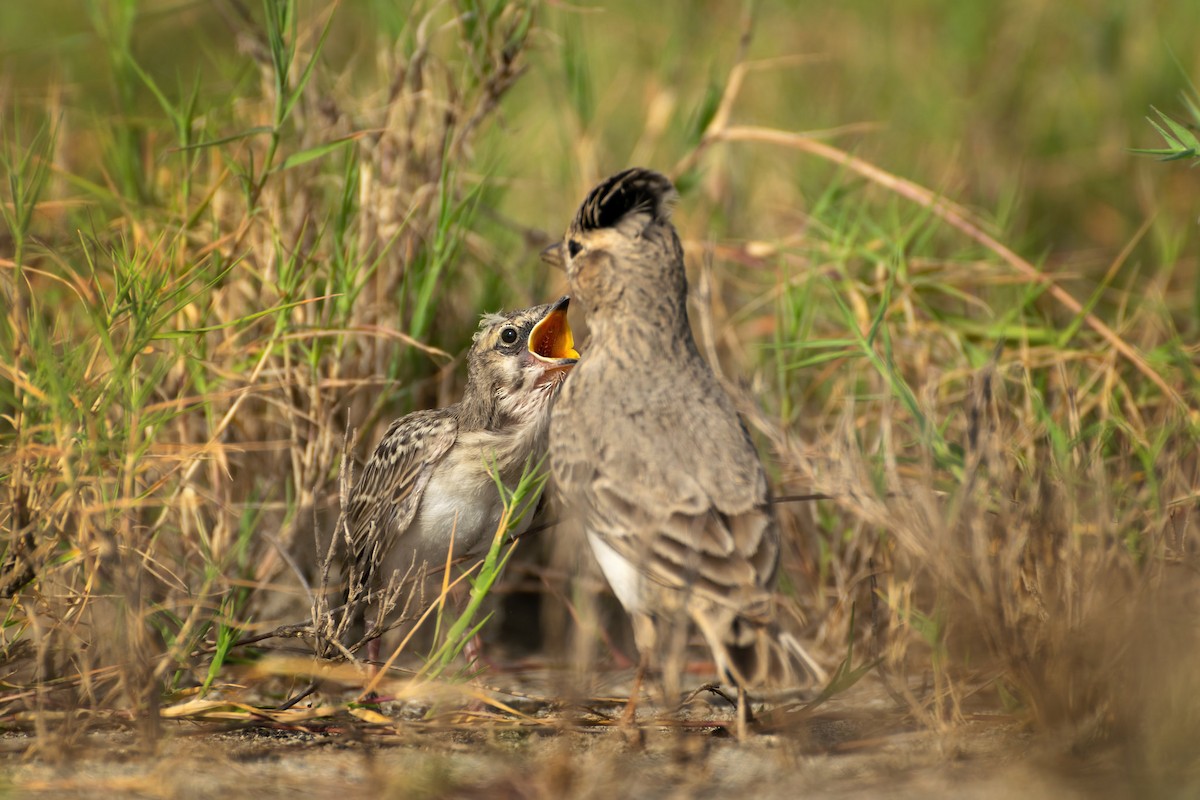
[[635, 191]]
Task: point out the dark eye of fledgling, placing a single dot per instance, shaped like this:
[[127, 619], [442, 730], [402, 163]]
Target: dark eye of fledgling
[[573, 247], [509, 335]]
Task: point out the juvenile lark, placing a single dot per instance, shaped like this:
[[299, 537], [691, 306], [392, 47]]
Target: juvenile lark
[[430, 479], [647, 451]]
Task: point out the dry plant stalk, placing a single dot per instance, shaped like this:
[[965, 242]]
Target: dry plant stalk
[[1028, 565], [210, 347]]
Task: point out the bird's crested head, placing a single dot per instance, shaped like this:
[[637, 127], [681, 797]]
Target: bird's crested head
[[621, 243], [627, 202]]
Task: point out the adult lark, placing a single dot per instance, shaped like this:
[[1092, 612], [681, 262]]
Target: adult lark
[[648, 453], [429, 482]]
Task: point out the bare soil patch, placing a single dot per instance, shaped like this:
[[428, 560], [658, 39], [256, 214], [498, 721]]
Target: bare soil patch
[[856, 745]]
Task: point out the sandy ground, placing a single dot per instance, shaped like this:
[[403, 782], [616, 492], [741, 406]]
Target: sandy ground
[[270, 764], [856, 746]]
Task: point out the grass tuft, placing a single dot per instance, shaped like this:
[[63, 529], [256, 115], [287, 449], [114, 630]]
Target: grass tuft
[[958, 314]]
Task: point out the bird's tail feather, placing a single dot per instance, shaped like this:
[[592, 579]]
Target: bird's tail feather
[[753, 653]]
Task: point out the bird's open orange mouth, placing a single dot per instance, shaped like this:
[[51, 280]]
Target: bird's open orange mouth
[[551, 339]]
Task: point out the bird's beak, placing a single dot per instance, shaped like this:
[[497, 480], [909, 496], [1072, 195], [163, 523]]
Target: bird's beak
[[553, 255], [551, 340]]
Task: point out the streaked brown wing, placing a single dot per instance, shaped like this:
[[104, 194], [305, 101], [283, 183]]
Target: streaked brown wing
[[386, 498], [727, 555]]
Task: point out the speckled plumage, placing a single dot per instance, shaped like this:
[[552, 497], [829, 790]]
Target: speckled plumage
[[428, 480], [647, 451]]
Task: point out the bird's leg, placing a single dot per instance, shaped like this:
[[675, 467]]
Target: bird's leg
[[373, 628], [629, 717], [473, 650], [673, 637], [745, 714], [645, 638], [373, 655], [742, 711], [372, 658]]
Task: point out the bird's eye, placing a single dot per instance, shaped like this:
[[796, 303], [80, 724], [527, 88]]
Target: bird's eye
[[573, 247], [509, 335]]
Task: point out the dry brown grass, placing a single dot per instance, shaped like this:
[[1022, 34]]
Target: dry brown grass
[[210, 300]]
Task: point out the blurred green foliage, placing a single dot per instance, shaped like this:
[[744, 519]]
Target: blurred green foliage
[[1025, 110]]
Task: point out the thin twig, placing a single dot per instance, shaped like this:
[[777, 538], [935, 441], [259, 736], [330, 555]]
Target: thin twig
[[958, 218]]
